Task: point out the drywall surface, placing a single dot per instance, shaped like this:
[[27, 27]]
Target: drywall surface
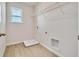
[[61, 24], [3, 28], [19, 32], [78, 29], [78, 19]]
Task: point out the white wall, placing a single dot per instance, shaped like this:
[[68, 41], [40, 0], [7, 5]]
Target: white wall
[[78, 29], [3, 28], [61, 24], [19, 32], [78, 19]]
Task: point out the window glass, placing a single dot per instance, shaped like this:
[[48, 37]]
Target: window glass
[[16, 15]]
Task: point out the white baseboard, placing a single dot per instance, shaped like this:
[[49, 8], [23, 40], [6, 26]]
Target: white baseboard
[[55, 52], [13, 43], [27, 42]]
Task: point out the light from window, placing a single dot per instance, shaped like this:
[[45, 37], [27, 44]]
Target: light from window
[[16, 15]]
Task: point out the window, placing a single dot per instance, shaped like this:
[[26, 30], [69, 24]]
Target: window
[[16, 15]]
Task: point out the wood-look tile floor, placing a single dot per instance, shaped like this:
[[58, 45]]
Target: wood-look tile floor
[[19, 50]]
